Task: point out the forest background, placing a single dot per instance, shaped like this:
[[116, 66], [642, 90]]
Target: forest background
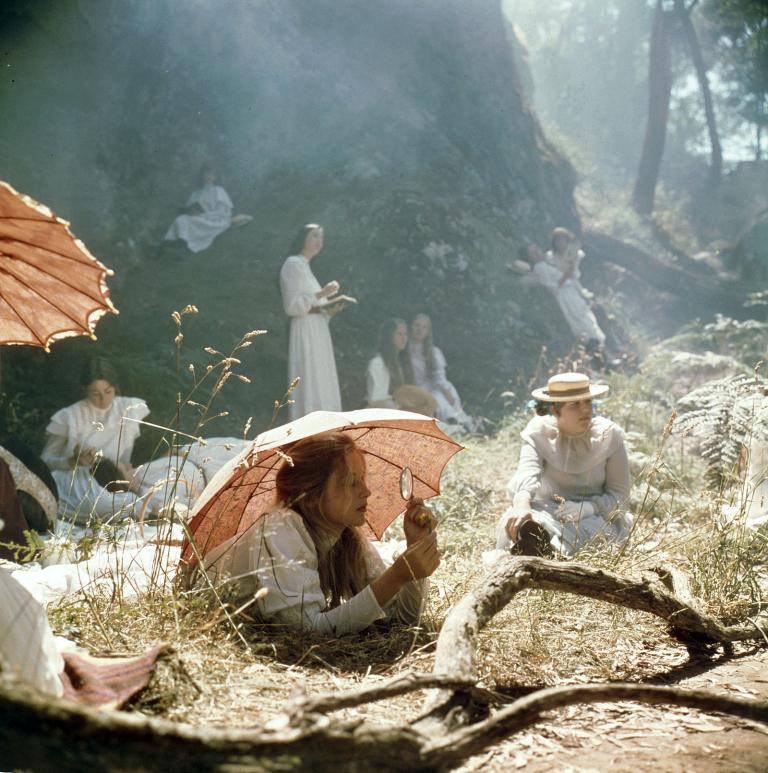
[[432, 142]]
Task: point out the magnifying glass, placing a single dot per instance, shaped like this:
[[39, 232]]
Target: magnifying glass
[[406, 483], [424, 516]]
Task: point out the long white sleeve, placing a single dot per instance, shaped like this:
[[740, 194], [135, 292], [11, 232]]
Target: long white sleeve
[[55, 453], [297, 300], [278, 554], [439, 378], [524, 484], [617, 483], [377, 384]]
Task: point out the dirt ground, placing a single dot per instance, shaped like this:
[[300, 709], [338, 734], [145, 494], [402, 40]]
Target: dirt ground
[[630, 738]]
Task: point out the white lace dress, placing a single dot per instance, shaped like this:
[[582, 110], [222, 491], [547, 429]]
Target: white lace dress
[[573, 485], [112, 432], [437, 384], [199, 231], [310, 349]]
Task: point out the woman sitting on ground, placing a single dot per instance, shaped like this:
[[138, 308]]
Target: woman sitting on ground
[[207, 214], [320, 571], [428, 366], [565, 257], [89, 446], [572, 477], [390, 380]]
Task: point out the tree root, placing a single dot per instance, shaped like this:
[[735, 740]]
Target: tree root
[[73, 738]]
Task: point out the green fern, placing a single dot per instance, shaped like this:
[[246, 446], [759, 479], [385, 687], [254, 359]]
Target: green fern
[[725, 415]]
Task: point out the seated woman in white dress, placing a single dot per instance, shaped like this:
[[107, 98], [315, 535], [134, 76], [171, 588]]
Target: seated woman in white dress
[[572, 477], [389, 379], [94, 436], [558, 271], [207, 214], [319, 570], [428, 365]]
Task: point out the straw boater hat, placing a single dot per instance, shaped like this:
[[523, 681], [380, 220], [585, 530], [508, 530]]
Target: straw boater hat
[[569, 387]]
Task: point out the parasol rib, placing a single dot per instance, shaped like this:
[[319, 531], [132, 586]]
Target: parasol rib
[[22, 320], [104, 272], [46, 300]]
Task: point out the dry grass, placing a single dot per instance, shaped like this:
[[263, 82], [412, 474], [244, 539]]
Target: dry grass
[[541, 639]]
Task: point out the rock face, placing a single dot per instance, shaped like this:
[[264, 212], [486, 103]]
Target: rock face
[[399, 126]]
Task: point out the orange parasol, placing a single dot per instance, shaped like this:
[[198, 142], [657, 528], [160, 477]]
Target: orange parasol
[[244, 489], [51, 286]]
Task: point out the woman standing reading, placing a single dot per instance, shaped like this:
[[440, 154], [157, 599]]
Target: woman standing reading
[[310, 349]]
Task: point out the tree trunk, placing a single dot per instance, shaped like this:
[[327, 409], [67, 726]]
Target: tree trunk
[[659, 93], [684, 15]]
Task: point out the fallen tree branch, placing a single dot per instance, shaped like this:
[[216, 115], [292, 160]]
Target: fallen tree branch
[[527, 711], [404, 683], [455, 654], [74, 738]]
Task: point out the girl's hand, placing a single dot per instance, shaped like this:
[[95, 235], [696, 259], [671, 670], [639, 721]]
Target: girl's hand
[[330, 289], [516, 520], [419, 521], [84, 457], [420, 559]]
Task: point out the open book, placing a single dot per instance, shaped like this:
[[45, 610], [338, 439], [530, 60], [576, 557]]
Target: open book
[[341, 299]]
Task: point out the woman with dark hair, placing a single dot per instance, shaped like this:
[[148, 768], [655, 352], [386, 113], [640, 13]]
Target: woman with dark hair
[[319, 570], [389, 379], [207, 214], [572, 477], [89, 445], [310, 349], [428, 367]]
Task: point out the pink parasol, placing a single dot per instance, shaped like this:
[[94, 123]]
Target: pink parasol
[[244, 489], [51, 286]]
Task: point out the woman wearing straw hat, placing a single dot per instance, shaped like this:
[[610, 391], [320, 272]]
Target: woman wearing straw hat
[[572, 476]]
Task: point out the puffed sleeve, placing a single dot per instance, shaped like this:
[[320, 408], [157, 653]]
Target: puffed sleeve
[[524, 484], [377, 385], [60, 440], [55, 454], [278, 553], [616, 476], [296, 301]]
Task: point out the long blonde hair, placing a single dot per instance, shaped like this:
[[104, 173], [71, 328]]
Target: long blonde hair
[[300, 485]]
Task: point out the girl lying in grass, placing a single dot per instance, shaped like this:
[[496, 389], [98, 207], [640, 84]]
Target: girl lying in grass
[[319, 570]]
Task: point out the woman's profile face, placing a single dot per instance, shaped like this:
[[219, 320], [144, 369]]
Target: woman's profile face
[[100, 393], [400, 337], [419, 329], [575, 418], [345, 498], [313, 242]]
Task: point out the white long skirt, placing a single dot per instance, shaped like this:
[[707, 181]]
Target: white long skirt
[[568, 535], [310, 357], [577, 312]]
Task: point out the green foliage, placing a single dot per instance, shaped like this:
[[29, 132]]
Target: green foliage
[[740, 28], [725, 415], [743, 340], [574, 45]]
